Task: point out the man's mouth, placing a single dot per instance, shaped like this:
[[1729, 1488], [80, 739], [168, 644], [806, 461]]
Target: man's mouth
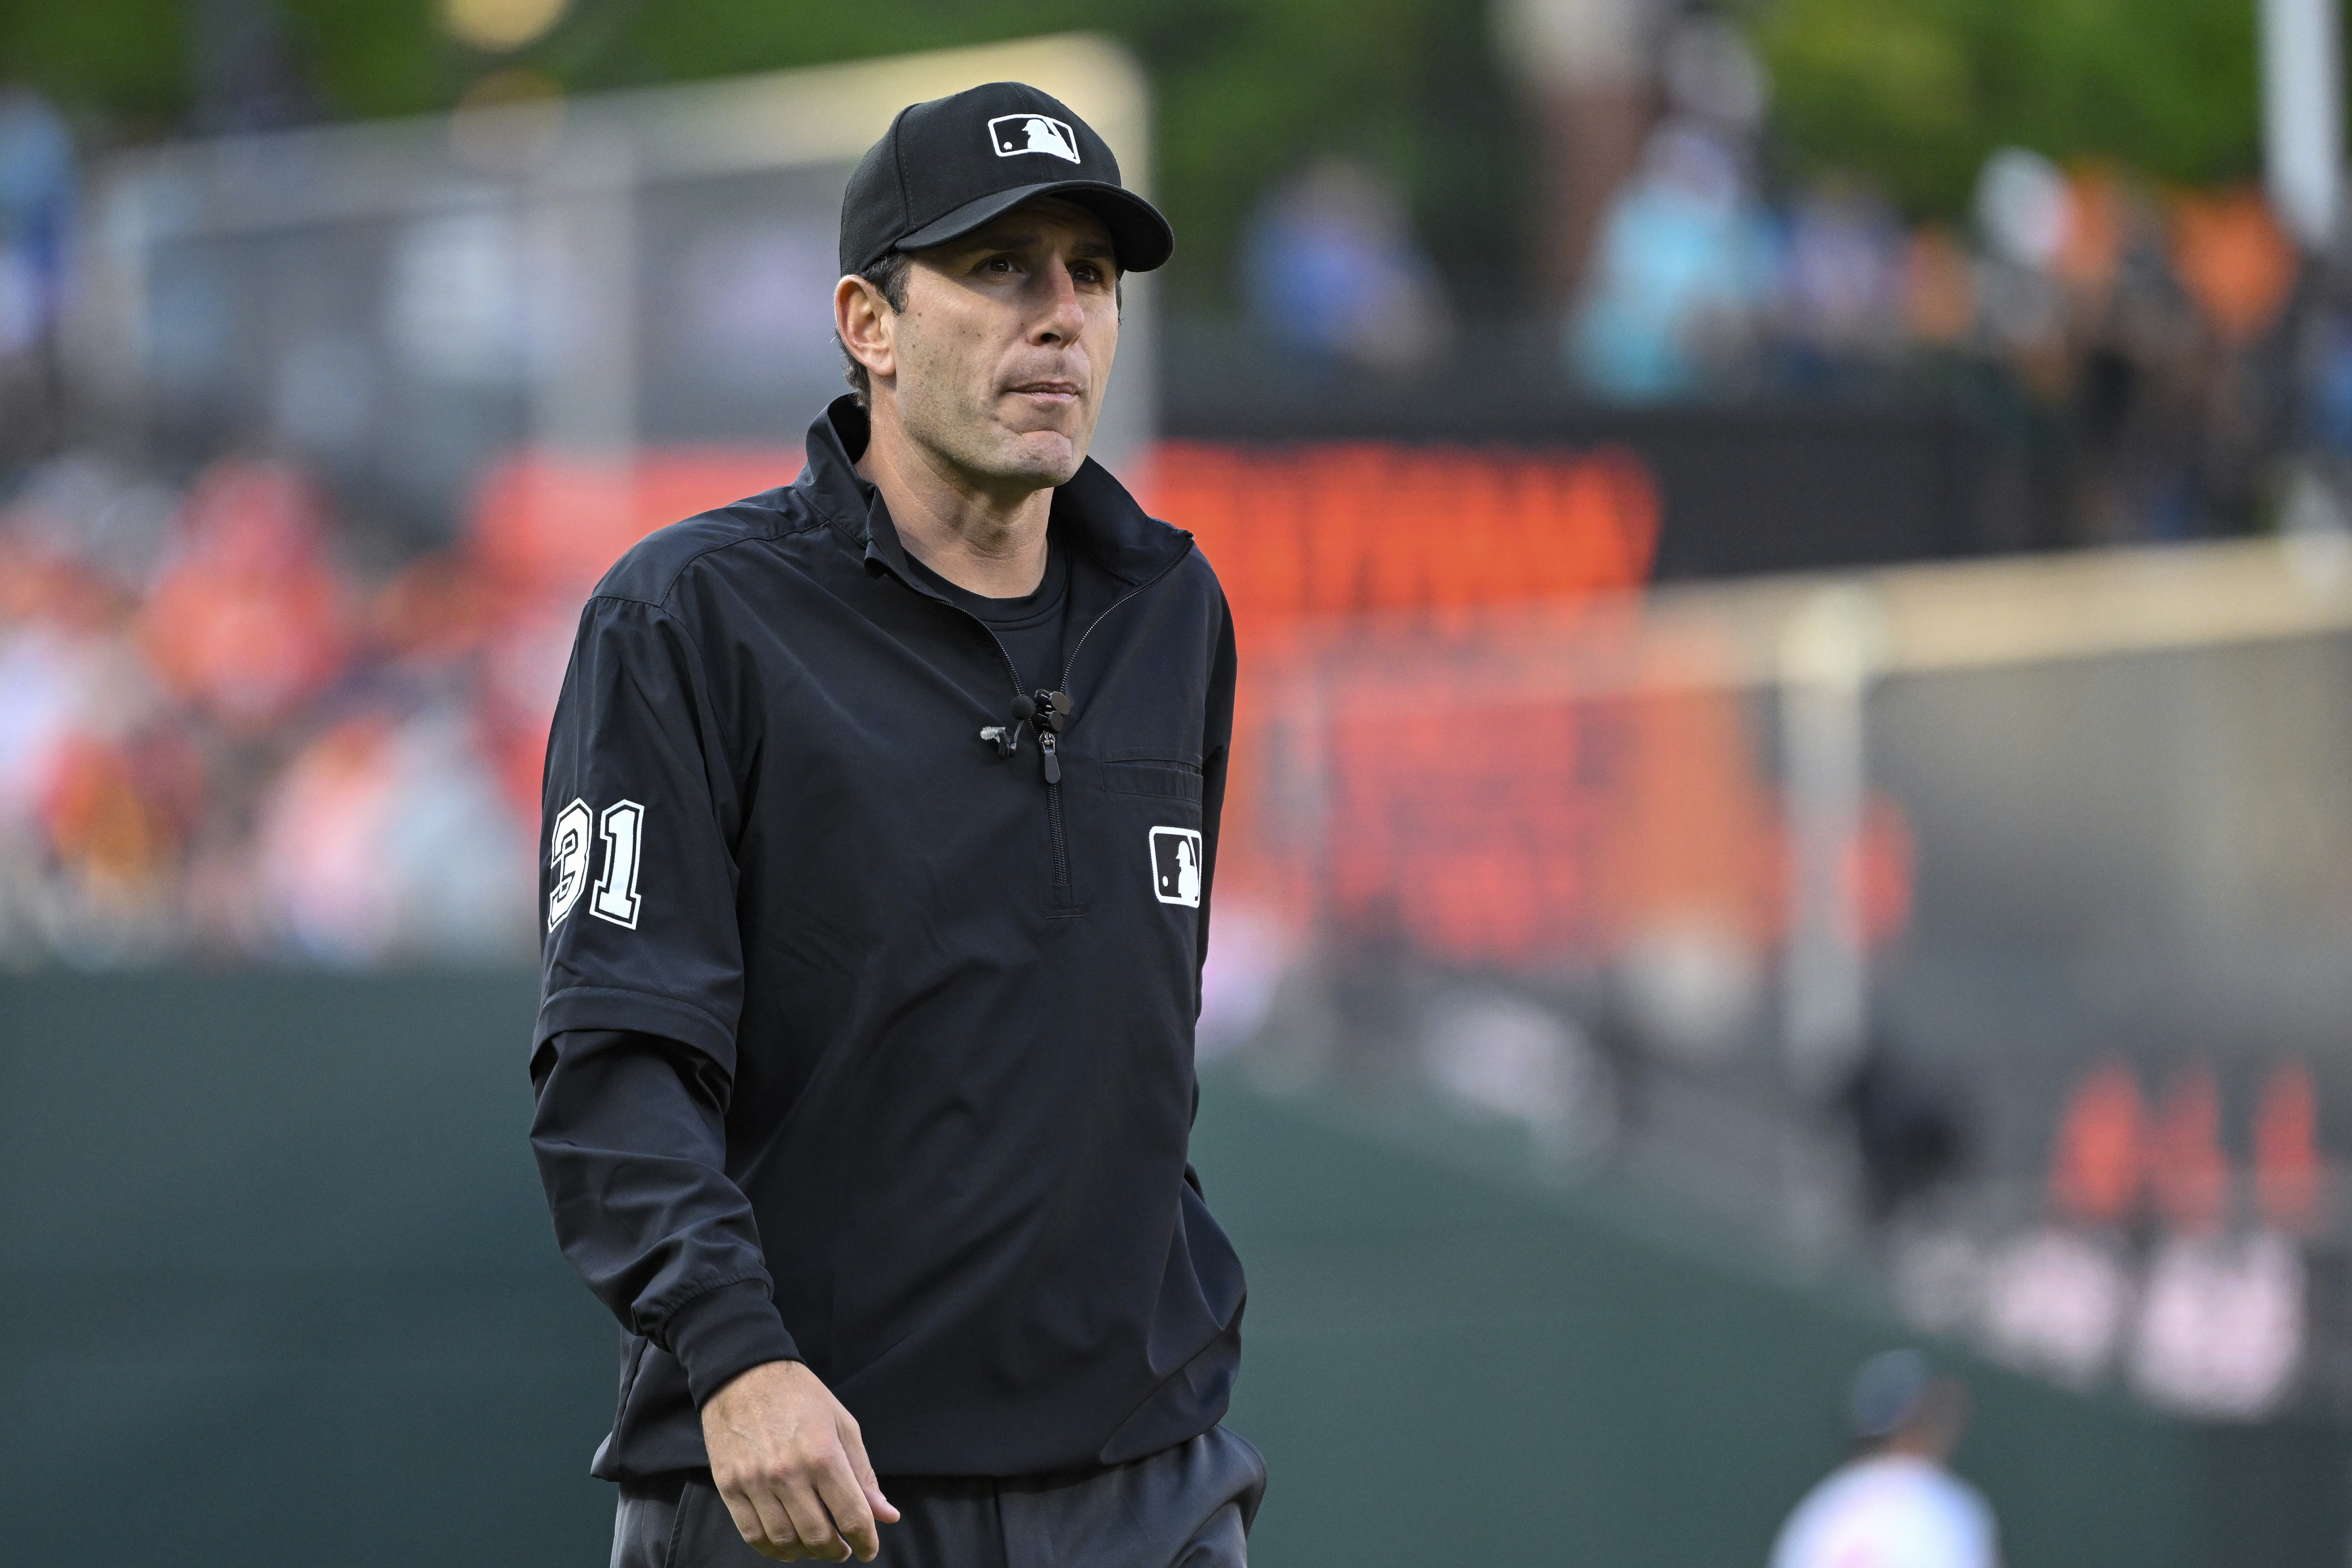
[[1059, 391]]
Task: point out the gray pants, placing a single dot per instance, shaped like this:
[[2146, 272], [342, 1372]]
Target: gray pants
[[1188, 1507]]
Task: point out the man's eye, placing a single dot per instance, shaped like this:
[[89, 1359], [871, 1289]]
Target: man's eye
[[997, 264]]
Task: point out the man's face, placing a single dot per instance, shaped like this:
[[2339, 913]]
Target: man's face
[[999, 360]]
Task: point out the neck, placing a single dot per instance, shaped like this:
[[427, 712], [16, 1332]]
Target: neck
[[1928, 1446], [987, 538]]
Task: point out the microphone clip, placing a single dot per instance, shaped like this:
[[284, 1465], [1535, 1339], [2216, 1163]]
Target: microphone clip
[[1052, 710], [1007, 738]]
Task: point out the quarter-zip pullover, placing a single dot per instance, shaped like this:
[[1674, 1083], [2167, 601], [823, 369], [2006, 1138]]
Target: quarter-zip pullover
[[870, 979]]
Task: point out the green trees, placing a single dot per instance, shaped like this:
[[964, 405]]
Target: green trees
[[1913, 93]]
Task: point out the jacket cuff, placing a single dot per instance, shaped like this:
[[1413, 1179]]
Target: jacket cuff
[[721, 1334]]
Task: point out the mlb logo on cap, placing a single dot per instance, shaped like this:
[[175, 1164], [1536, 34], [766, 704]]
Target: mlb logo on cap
[[948, 166], [1018, 133]]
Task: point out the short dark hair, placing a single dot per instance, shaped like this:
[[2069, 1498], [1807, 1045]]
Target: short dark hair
[[889, 275]]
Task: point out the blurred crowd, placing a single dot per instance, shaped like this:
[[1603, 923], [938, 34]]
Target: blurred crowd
[[2158, 349], [2147, 331], [217, 740]]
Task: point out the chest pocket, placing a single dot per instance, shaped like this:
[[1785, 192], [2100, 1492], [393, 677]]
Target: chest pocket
[[1157, 773]]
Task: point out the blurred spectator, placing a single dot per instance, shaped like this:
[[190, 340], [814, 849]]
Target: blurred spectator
[[2057, 1301], [2323, 372], [389, 840], [2241, 266], [2139, 383], [1586, 66], [1895, 1505], [2099, 1165], [2221, 1325], [250, 619], [2023, 208], [1908, 1126], [2022, 212], [1842, 284], [2187, 1171], [92, 806], [2289, 1177], [2236, 261], [1939, 301], [1677, 275], [37, 205], [1331, 267], [1713, 78]]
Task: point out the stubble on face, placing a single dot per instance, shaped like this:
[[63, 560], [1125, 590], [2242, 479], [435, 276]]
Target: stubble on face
[[1006, 346]]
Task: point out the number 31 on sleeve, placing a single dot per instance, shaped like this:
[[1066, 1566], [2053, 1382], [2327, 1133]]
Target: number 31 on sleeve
[[623, 829]]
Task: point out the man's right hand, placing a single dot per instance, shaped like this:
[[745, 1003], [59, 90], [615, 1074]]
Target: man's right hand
[[789, 1465]]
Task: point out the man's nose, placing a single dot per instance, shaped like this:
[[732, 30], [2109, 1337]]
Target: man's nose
[[1061, 314]]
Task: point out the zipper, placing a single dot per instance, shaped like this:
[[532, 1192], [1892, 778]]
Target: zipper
[[1047, 719], [1071, 662], [1053, 703], [1007, 738], [1048, 742], [1052, 710], [1045, 746]]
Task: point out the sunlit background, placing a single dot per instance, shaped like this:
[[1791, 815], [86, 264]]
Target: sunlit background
[[1792, 793]]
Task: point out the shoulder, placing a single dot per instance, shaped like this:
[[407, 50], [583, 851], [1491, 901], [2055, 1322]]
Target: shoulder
[[1963, 1502], [1195, 567], [1194, 578], [649, 572]]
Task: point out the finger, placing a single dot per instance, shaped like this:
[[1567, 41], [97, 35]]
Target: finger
[[844, 1498], [811, 1523], [771, 1533], [860, 1466], [748, 1523]]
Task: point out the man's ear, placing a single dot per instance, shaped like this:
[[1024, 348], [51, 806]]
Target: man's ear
[[867, 326]]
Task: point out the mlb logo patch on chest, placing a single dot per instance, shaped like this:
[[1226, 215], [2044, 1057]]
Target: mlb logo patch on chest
[[1176, 866]]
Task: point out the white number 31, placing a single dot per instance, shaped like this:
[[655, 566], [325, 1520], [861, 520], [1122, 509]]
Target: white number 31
[[623, 826]]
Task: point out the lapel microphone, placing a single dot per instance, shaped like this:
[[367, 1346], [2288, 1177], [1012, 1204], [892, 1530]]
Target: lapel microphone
[[1007, 738]]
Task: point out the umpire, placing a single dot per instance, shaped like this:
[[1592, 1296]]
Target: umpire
[[882, 814]]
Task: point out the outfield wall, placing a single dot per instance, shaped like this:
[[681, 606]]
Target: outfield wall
[[278, 1288]]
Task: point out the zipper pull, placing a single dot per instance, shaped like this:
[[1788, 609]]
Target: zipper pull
[[1045, 745]]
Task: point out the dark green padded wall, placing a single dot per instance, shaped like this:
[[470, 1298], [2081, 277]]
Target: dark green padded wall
[[277, 1289]]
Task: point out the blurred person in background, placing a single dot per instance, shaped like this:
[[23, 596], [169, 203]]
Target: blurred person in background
[[1680, 262], [2238, 263], [1678, 275], [249, 618], [1896, 1504], [2138, 377], [37, 190], [1841, 287], [1332, 270], [865, 1058]]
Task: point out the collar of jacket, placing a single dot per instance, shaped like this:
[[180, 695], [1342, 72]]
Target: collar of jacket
[[1092, 511]]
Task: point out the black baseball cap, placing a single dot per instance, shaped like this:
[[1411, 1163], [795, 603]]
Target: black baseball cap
[[1887, 1393], [948, 166]]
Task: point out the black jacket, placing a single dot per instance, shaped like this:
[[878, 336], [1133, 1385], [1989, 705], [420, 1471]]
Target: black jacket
[[860, 1042]]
